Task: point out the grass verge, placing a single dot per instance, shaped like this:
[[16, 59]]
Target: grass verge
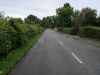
[[93, 41], [13, 57]]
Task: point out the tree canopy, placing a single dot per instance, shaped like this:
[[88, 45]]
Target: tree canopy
[[64, 15], [32, 19], [89, 16]]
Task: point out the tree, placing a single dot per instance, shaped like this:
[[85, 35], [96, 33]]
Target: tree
[[75, 15], [64, 15], [31, 19], [89, 16], [54, 22], [98, 21], [47, 22], [76, 20], [2, 19], [1, 14]]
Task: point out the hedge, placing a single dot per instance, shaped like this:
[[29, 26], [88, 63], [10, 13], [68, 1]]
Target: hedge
[[5, 43], [65, 30], [72, 30], [90, 31], [13, 35]]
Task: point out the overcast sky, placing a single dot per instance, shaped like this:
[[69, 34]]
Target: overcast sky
[[42, 8]]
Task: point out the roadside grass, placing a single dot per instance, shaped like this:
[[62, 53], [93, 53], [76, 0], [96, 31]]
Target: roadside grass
[[13, 57], [95, 41]]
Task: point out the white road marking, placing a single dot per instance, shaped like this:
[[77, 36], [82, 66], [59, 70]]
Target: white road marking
[[77, 58], [60, 42]]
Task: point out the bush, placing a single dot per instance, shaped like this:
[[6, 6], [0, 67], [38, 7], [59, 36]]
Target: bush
[[60, 29], [14, 35], [36, 29], [74, 30], [64, 30], [5, 43], [90, 31]]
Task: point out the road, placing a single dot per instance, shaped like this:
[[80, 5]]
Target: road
[[59, 54]]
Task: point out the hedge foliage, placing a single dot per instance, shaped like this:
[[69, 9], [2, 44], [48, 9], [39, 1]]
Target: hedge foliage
[[14, 35], [65, 30], [90, 31], [74, 30]]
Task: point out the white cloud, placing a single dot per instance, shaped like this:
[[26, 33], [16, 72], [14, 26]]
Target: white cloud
[[41, 8]]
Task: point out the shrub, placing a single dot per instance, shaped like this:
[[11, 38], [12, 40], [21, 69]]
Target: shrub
[[60, 29], [65, 30], [81, 32], [74, 30], [35, 29], [90, 31], [5, 43], [14, 35]]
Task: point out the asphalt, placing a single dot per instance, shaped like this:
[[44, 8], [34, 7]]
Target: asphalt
[[59, 54]]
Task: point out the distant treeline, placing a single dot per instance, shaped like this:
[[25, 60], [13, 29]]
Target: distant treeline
[[83, 22], [67, 16]]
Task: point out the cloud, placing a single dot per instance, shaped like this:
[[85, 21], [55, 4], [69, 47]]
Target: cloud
[[42, 8]]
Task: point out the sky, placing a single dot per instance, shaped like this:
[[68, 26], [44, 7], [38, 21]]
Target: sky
[[42, 8]]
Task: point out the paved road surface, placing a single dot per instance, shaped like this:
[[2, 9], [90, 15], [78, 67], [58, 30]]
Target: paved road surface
[[56, 54]]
